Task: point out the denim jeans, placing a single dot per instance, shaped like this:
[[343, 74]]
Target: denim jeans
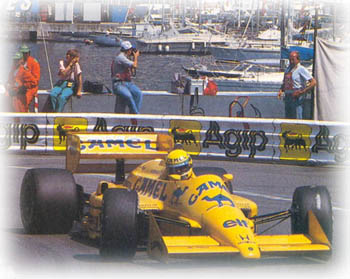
[[293, 107], [130, 93], [59, 96]]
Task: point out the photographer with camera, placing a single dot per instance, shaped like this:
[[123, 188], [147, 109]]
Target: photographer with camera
[[122, 70], [70, 81]]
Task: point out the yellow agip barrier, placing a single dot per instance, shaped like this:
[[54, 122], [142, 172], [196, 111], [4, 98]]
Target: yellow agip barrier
[[223, 138]]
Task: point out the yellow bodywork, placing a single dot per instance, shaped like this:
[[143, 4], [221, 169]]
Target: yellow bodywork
[[217, 223], [211, 218], [203, 201]]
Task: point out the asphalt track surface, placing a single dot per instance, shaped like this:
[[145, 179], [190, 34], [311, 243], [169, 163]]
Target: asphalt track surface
[[271, 186]]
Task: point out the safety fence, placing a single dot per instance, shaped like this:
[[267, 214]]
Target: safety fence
[[246, 104], [224, 104], [223, 138]]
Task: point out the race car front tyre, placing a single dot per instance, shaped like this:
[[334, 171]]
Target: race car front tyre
[[49, 201], [317, 199], [119, 224]]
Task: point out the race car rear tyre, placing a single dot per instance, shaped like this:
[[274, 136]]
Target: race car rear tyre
[[317, 199], [49, 201], [119, 224], [213, 170], [209, 170]]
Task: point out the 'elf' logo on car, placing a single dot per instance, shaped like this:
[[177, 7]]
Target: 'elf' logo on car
[[234, 223]]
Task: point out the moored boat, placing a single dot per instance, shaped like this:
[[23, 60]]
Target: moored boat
[[106, 40], [196, 72], [236, 53]]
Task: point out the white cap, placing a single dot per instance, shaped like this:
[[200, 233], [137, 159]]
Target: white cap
[[126, 45]]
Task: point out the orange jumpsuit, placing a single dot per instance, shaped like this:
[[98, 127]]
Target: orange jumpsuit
[[14, 81], [30, 75]]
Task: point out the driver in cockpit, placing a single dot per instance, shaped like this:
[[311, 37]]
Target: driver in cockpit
[[179, 165]]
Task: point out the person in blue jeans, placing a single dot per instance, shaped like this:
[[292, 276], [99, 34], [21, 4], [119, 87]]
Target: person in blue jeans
[[121, 71], [70, 81], [297, 82]]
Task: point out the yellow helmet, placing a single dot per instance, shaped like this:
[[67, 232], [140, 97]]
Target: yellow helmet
[[179, 165]]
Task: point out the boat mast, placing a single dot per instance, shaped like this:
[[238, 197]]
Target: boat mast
[[163, 14], [252, 18], [258, 17], [183, 7], [334, 20], [315, 38], [283, 31], [313, 63], [72, 12], [200, 14], [239, 14]]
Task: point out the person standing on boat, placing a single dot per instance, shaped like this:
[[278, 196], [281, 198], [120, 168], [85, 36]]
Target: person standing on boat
[[29, 71], [121, 71], [70, 81], [297, 82]]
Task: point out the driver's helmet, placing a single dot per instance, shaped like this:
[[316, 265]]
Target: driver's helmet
[[179, 165]]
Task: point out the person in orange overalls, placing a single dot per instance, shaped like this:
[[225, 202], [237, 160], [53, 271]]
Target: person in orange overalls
[[30, 74], [14, 84]]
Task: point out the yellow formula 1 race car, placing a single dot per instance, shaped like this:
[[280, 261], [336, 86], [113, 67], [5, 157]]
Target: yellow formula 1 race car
[[164, 204]]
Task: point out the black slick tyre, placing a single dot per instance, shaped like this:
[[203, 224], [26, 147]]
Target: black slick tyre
[[49, 201], [317, 199], [209, 170], [119, 224]]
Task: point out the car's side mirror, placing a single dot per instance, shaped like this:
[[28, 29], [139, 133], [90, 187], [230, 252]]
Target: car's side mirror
[[102, 186], [227, 177]]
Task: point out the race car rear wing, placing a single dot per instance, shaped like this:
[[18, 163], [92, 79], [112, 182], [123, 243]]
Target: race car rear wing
[[118, 146]]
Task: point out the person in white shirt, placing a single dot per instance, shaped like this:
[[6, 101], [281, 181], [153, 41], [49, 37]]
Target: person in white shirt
[[70, 81], [296, 82]]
